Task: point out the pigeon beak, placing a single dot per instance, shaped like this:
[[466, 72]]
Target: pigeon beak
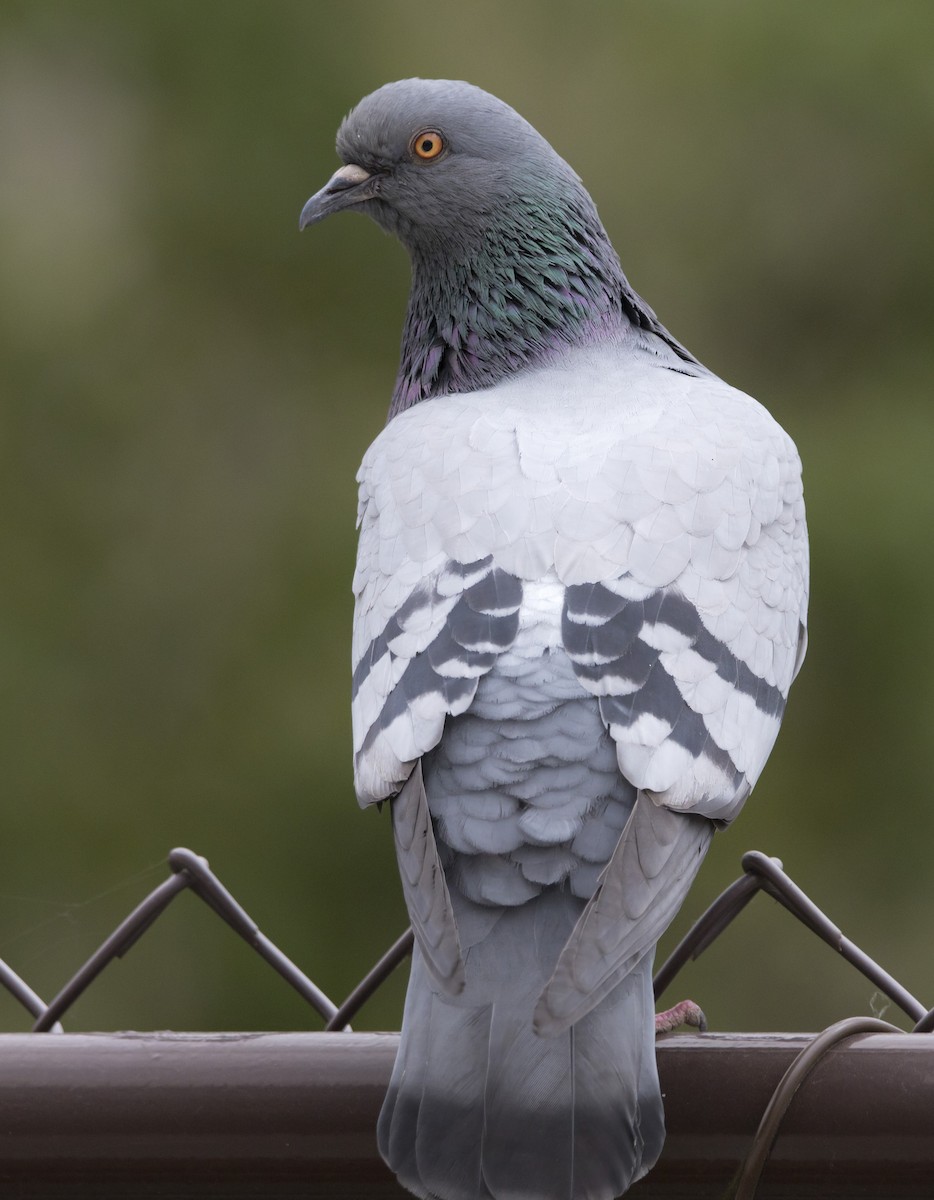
[[345, 187]]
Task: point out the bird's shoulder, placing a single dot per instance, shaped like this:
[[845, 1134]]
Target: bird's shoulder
[[561, 467]]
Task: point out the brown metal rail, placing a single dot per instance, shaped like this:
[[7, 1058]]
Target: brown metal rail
[[278, 1115]]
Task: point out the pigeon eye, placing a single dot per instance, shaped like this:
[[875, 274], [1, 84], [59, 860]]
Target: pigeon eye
[[428, 144]]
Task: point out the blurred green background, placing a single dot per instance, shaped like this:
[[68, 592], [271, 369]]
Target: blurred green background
[[187, 387]]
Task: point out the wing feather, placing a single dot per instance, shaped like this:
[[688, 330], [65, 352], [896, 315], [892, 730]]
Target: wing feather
[[424, 886], [427, 623], [658, 854]]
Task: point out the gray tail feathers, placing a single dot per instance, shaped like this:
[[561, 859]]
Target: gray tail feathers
[[480, 1107]]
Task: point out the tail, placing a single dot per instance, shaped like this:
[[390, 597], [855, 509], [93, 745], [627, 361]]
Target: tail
[[480, 1107]]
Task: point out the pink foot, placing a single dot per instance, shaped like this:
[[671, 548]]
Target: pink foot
[[685, 1013]]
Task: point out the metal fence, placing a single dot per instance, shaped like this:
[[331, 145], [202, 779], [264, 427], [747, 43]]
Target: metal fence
[[293, 1114]]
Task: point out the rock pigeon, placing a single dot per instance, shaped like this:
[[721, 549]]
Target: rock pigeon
[[581, 595]]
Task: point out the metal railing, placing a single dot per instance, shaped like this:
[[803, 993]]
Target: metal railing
[[266, 1111]]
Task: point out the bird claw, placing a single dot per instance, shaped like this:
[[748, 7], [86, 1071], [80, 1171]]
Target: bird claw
[[685, 1013]]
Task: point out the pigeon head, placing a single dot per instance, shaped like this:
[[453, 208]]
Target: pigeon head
[[510, 263], [435, 161]]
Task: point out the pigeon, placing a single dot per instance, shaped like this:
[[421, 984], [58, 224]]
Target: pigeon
[[580, 602]]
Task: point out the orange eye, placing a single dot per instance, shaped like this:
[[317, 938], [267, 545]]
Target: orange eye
[[428, 144]]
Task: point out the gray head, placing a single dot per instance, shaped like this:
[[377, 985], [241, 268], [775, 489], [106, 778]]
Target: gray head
[[434, 160], [510, 262]]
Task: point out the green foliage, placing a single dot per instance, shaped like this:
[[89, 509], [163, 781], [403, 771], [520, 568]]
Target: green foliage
[[188, 387]]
